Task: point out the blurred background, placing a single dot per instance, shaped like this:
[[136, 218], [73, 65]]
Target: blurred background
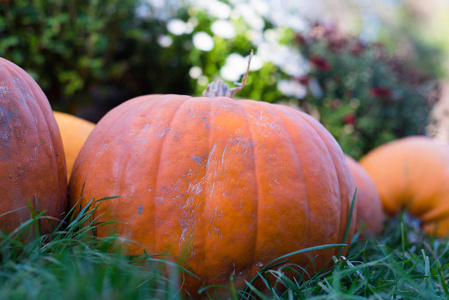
[[370, 71]]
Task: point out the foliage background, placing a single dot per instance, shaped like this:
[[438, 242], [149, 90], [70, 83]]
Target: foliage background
[[92, 55]]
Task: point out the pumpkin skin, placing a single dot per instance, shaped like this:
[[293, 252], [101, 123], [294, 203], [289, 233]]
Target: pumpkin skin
[[226, 185], [413, 173], [370, 216], [74, 132], [32, 162]]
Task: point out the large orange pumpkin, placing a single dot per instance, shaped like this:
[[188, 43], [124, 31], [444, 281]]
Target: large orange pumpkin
[[370, 216], [74, 132], [413, 172], [227, 185], [32, 163]]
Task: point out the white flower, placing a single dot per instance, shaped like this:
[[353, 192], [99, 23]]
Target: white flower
[[164, 41], [202, 41], [250, 16], [261, 6], [255, 36], [292, 88], [176, 26], [203, 80], [271, 35], [290, 61], [190, 25], [157, 3], [195, 72], [273, 52], [142, 11], [223, 29], [215, 8], [234, 68], [230, 74], [298, 24], [256, 63]]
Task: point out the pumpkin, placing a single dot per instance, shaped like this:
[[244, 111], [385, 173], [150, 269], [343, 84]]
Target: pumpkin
[[227, 185], [370, 216], [32, 161], [413, 173], [74, 132]]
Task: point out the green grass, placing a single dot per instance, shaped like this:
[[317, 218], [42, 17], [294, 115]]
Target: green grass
[[72, 263]]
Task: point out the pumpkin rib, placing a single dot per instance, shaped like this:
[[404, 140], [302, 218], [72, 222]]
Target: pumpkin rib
[[250, 108], [197, 236], [93, 154], [50, 138], [338, 183], [209, 193], [224, 111], [300, 163], [96, 152], [36, 94], [292, 115], [161, 151], [259, 111], [344, 213], [135, 159], [205, 249], [148, 105], [257, 183]]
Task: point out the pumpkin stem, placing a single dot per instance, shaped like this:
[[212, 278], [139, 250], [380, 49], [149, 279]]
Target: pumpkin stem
[[220, 89]]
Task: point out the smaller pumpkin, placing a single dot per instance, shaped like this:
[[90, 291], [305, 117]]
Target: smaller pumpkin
[[413, 173], [74, 132], [370, 216]]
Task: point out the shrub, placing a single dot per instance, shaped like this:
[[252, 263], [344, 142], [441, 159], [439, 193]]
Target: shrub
[[92, 55], [362, 94]]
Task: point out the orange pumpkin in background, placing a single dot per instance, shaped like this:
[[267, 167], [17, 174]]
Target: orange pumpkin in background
[[413, 173], [227, 185], [370, 216], [74, 132], [32, 162]]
